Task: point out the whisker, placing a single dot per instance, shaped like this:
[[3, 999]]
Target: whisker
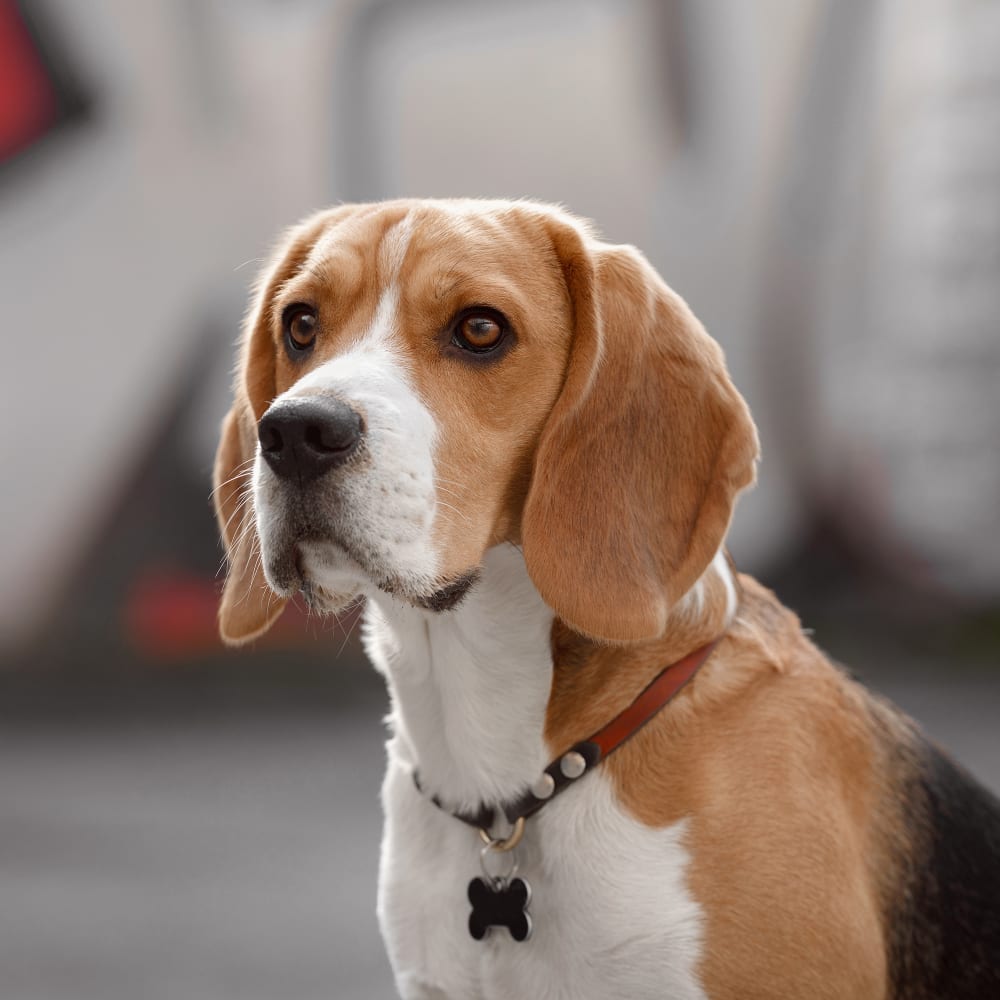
[[249, 586], [455, 510], [241, 508], [248, 526], [242, 470], [252, 260], [350, 630]]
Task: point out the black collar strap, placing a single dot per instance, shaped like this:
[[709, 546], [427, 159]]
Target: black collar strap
[[584, 756]]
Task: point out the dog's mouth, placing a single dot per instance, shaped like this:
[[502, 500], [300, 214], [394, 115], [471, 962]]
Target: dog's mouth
[[451, 594], [330, 573]]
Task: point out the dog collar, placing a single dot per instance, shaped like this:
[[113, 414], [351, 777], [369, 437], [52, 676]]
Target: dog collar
[[501, 899], [584, 756]]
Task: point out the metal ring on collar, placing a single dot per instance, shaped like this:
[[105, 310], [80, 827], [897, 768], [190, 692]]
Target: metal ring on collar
[[504, 844], [498, 880]]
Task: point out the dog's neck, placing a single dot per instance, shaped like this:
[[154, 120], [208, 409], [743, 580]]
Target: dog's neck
[[478, 705], [469, 687]]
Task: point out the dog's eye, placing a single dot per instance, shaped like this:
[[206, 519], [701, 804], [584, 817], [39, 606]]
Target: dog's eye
[[480, 331], [300, 323]]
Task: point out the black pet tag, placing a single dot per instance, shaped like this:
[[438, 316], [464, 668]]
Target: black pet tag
[[500, 902]]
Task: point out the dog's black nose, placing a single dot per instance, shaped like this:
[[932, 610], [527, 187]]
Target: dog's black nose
[[302, 439]]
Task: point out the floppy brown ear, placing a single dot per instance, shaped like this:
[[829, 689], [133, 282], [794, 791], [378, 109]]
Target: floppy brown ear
[[640, 462], [249, 607]]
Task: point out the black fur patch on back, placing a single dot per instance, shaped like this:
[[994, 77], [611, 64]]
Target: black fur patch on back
[[944, 931]]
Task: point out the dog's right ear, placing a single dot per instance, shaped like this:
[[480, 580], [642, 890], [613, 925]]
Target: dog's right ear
[[249, 607]]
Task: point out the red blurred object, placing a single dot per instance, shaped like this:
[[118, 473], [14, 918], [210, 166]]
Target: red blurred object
[[29, 104], [170, 614]]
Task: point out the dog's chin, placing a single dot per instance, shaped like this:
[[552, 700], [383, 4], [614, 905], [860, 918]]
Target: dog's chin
[[295, 568], [324, 602], [331, 578]]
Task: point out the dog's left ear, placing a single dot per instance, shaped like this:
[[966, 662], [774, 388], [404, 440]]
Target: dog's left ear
[[639, 465]]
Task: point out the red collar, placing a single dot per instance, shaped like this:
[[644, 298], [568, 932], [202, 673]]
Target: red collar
[[584, 756]]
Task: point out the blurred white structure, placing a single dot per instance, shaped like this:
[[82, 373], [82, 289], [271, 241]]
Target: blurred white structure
[[911, 338], [760, 154]]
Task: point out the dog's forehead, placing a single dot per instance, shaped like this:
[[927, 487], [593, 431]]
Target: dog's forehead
[[429, 242]]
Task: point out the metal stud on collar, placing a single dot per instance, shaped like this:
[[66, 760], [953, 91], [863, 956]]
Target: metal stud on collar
[[544, 786], [573, 764]]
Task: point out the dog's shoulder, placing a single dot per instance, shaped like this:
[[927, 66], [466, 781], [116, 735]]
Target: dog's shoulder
[[770, 754], [930, 829], [848, 833]]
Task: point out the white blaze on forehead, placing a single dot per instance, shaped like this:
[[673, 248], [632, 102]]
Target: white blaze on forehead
[[382, 333], [392, 250]]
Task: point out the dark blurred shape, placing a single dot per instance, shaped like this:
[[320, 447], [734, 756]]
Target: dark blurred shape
[[38, 90]]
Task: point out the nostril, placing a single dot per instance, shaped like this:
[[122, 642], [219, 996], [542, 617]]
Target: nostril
[[271, 440], [334, 435], [315, 438]]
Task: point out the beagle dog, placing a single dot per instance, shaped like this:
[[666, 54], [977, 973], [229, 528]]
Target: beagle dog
[[616, 767]]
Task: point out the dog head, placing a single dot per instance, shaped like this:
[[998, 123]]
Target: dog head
[[420, 381]]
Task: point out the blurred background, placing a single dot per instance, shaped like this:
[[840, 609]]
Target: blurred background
[[820, 179]]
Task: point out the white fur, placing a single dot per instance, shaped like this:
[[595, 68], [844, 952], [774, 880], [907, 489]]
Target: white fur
[[692, 604], [469, 687], [612, 913], [720, 565]]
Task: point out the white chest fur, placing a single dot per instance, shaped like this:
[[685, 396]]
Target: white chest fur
[[612, 914]]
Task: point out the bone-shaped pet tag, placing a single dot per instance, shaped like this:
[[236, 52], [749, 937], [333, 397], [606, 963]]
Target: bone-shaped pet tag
[[500, 902]]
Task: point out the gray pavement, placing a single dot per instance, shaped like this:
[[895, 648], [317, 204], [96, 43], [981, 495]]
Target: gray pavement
[[235, 859], [192, 860]]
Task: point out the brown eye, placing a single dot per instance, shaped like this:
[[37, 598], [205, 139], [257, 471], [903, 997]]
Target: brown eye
[[479, 332], [300, 323]]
